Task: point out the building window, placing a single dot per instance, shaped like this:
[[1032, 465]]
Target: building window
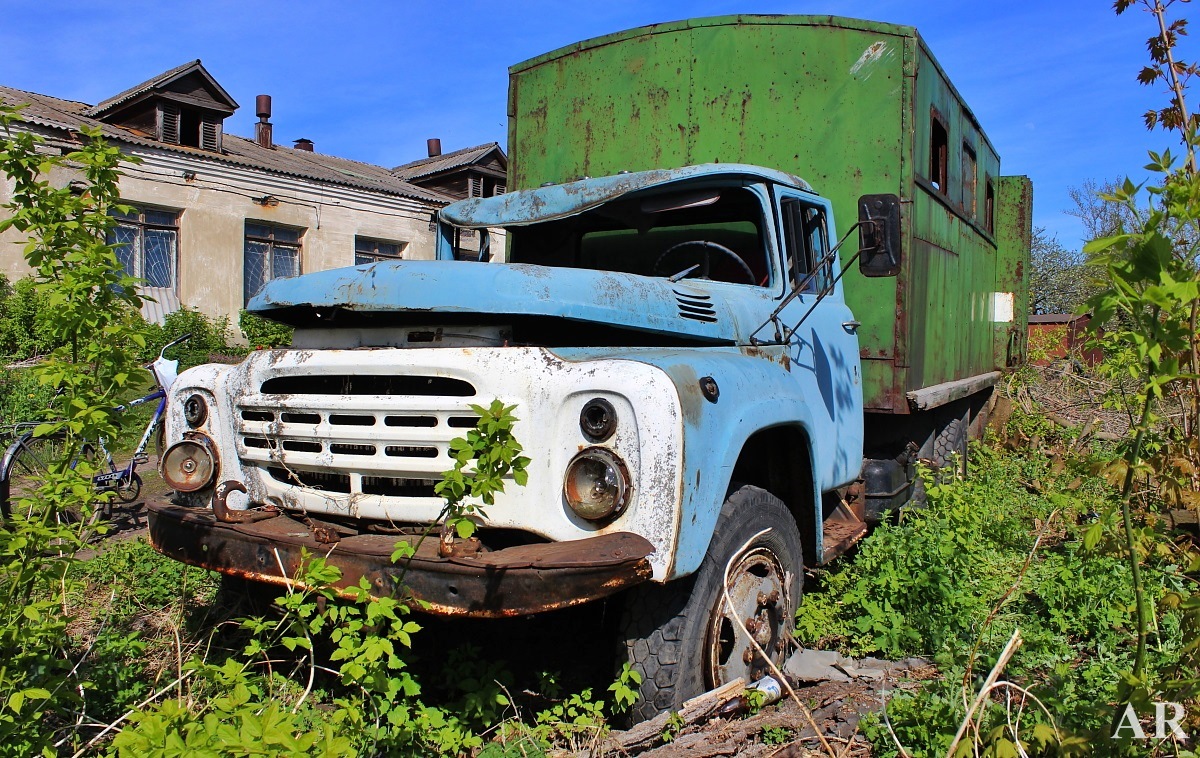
[[147, 241], [367, 250], [970, 184], [272, 252], [484, 186], [939, 142]]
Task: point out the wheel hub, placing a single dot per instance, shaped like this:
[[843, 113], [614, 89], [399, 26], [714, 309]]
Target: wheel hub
[[757, 597]]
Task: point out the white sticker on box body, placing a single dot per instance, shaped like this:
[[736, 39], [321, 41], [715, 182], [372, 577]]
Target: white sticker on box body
[[1002, 307]]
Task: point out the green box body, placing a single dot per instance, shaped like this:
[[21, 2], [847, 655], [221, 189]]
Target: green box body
[[854, 108]]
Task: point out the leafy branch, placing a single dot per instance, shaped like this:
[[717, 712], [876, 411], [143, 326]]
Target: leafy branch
[[483, 459]]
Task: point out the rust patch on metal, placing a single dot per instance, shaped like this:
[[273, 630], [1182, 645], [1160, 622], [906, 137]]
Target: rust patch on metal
[[514, 581], [223, 513]]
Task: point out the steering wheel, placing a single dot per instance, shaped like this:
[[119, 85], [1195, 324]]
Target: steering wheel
[[705, 267]]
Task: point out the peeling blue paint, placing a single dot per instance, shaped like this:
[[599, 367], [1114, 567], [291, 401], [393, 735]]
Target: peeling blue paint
[[572, 198]]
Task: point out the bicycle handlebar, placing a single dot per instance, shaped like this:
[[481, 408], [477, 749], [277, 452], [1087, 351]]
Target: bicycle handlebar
[[175, 342]]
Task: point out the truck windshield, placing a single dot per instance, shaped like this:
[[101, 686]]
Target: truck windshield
[[713, 233]]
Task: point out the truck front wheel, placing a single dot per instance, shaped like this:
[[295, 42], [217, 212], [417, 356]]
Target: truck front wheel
[[683, 637]]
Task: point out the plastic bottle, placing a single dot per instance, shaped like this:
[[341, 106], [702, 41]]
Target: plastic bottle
[[737, 706]]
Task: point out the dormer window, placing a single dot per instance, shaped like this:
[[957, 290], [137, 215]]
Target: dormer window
[[179, 125], [183, 106]]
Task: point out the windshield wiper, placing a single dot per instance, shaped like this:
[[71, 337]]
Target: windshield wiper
[[676, 277]]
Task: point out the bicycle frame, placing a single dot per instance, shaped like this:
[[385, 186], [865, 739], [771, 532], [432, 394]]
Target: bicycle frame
[[123, 481], [114, 478]]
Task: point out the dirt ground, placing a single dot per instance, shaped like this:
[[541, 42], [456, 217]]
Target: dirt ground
[[783, 730]]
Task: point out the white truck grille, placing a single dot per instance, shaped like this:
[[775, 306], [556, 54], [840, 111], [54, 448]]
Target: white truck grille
[[383, 435]]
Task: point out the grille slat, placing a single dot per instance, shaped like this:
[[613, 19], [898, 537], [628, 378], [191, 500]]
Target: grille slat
[[360, 464], [438, 435]]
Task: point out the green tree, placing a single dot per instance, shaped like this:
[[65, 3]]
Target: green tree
[[1152, 304], [91, 315], [1059, 279]]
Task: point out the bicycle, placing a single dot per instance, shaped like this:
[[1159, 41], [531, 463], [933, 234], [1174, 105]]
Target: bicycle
[[27, 460]]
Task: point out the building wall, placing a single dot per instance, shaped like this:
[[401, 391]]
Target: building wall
[[217, 201]]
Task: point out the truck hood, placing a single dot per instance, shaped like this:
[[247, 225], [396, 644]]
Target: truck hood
[[648, 304]]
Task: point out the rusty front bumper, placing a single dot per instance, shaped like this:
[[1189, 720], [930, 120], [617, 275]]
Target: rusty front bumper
[[514, 581]]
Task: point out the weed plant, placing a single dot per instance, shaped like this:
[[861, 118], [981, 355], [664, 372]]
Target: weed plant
[[936, 583]]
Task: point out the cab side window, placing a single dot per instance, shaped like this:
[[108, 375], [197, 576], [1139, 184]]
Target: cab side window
[[807, 244]]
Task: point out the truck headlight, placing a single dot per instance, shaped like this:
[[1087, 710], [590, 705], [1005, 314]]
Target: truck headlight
[[596, 485], [188, 466], [598, 419], [195, 410]]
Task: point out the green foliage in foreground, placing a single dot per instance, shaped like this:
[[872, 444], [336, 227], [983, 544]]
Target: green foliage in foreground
[[946, 583]]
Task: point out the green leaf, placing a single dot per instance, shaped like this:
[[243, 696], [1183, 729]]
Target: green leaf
[[464, 527]]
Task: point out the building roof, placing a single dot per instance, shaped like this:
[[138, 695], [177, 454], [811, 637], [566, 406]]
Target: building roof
[[157, 82], [70, 116], [447, 161]]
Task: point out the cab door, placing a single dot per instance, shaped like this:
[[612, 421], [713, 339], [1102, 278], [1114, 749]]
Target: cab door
[[820, 332]]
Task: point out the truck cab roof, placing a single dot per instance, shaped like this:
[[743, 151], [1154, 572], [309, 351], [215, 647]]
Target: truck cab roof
[[557, 201]]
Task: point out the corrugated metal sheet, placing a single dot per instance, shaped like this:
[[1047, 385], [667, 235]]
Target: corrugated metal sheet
[[164, 302], [445, 162]]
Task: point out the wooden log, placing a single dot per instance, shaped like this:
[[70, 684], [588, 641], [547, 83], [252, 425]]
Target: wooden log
[[647, 733]]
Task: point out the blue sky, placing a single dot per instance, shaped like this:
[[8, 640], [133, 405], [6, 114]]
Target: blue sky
[[1052, 83]]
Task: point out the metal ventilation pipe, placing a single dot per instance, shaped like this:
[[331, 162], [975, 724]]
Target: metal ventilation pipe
[[262, 129], [434, 145]]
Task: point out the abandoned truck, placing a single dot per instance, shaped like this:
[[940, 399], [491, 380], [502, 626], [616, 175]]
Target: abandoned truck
[[708, 383]]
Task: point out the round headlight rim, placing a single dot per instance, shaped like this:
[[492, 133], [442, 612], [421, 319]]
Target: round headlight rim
[[598, 430], [204, 445], [201, 415], [608, 457]]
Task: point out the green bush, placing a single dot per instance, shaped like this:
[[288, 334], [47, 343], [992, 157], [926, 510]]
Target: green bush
[[24, 328], [210, 338], [927, 584], [22, 396], [261, 333]]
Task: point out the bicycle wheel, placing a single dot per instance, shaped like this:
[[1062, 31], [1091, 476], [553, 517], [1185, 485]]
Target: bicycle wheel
[[128, 489], [27, 463]]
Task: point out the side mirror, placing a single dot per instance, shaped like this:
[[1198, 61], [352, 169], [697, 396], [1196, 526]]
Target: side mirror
[[879, 235]]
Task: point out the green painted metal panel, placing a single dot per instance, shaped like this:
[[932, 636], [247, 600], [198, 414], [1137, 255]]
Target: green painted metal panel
[[844, 104], [1014, 232]]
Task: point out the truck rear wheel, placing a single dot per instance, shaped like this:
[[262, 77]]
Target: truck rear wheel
[[683, 638], [951, 441]]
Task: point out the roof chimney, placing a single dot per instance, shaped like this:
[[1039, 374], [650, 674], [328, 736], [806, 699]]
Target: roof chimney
[[262, 129], [304, 144], [435, 147]]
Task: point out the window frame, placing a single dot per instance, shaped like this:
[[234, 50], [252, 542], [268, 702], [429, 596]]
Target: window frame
[[970, 180], [989, 205], [798, 232], [374, 255], [141, 225], [939, 152], [272, 244]]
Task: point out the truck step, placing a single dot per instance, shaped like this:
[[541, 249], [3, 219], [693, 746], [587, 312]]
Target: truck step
[[842, 530]]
